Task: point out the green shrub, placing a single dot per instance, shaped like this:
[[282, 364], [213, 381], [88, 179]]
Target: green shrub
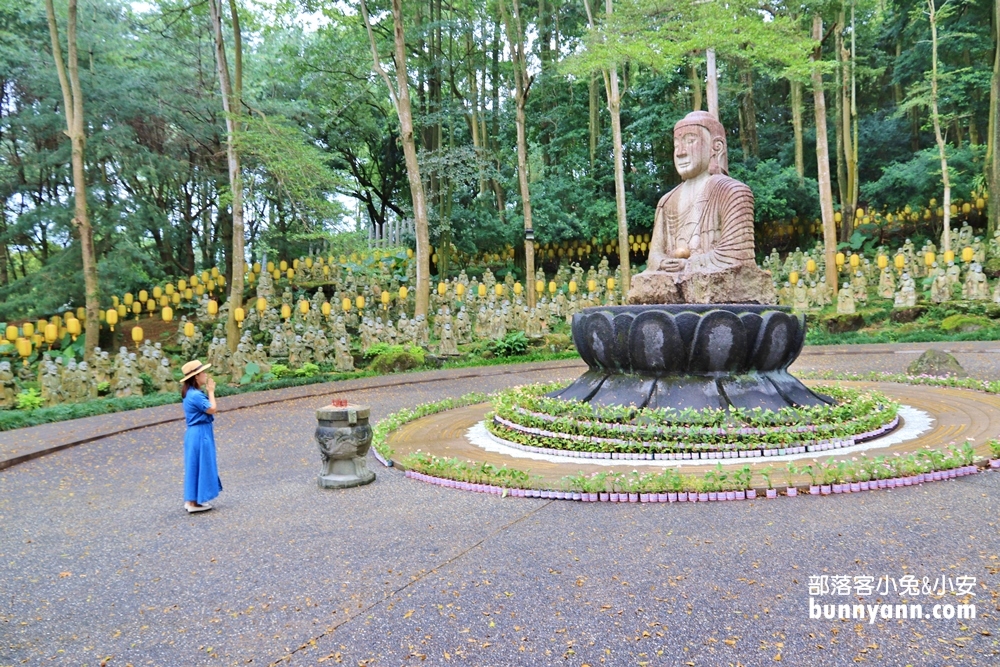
[[103, 388], [307, 371], [280, 370], [147, 384], [964, 323], [377, 349], [29, 400], [510, 345], [398, 358], [249, 373]]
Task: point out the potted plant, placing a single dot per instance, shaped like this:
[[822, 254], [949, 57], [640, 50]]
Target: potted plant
[[632, 484], [766, 474], [829, 474], [790, 490], [742, 483], [810, 471]]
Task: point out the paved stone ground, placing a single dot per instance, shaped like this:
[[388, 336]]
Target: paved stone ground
[[98, 562]]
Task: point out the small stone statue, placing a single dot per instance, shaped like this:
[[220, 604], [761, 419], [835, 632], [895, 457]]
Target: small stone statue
[[886, 283], [447, 347], [343, 361], [940, 288], [860, 286], [8, 387], [845, 300]]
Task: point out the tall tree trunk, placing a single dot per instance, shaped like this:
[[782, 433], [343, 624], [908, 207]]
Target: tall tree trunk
[[993, 140], [400, 95], [69, 82], [232, 90], [936, 120], [522, 86], [696, 94], [594, 122], [840, 137], [823, 162], [748, 114], [711, 83], [800, 162]]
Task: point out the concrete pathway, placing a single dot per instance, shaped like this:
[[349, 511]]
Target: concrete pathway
[[99, 564]]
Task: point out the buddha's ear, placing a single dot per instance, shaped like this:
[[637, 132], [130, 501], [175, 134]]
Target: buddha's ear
[[719, 163]]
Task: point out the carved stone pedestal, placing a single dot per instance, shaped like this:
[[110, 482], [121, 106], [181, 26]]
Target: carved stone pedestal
[[344, 436]]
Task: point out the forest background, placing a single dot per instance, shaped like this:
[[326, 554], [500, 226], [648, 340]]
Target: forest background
[[319, 147]]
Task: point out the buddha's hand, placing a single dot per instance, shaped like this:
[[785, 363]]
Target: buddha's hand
[[671, 264]]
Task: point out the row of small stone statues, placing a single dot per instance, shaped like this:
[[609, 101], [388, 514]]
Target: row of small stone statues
[[68, 381]]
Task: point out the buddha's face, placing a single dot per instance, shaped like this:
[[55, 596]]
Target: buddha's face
[[692, 151]]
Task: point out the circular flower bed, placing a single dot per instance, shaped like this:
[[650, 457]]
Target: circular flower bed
[[529, 419]]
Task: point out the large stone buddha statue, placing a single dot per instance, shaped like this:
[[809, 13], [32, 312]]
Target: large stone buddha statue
[[702, 248]]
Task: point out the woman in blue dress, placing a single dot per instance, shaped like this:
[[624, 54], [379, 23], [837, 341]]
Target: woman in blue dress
[[201, 473]]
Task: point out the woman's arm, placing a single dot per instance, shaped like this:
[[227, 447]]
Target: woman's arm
[[210, 392]]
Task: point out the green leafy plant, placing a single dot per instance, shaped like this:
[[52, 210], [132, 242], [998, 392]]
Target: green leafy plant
[[30, 399], [147, 384], [250, 372], [511, 345], [306, 371], [398, 358], [280, 371]]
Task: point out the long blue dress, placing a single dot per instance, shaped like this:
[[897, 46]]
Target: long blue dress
[[201, 473]]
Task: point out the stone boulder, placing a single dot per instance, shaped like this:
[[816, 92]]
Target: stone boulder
[[938, 363]]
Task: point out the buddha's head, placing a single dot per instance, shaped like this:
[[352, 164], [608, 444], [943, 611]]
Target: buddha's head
[[700, 145]]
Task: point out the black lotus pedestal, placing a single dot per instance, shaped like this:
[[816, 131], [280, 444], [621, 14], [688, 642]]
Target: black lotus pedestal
[[690, 356]]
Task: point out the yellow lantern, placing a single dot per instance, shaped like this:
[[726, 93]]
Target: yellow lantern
[[194, 280], [442, 288], [793, 277], [81, 313], [28, 328], [929, 258], [552, 287], [883, 261], [213, 307], [261, 304], [167, 313], [326, 271], [611, 284], [283, 266], [346, 305], [11, 333], [24, 349], [122, 312], [572, 287], [839, 258], [210, 285], [949, 256], [591, 285], [111, 317], [199, 289], [403, 292], [205, 275], [270, 267], [164, 301], [481, 290], [189, 329], [966, 208], [51, 333], [360, 302], [290, 274], [409, 253], [286, 311], [73, 327], [325, 308], [837, 217], [182, 284], [385, 296], [967, 254], [855, 261], [137, 335], [151, 305], [309, 262], [114, 300], [518, 288], [459, 290], [136, 308], [276, 274], [188, 294], [143, 295], [128, 299], [498, 288], [303, 306], [954, 209], [256, 267], [239, 315], [295, 264], [539, 286], [899, 261]]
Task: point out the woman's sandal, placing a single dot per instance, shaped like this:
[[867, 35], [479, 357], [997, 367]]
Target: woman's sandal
[[199, 508]]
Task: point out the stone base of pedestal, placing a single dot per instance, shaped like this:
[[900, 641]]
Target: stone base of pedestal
[[346, 474]]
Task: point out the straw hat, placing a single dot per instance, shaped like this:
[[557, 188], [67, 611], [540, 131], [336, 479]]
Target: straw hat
[[192, 368]]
